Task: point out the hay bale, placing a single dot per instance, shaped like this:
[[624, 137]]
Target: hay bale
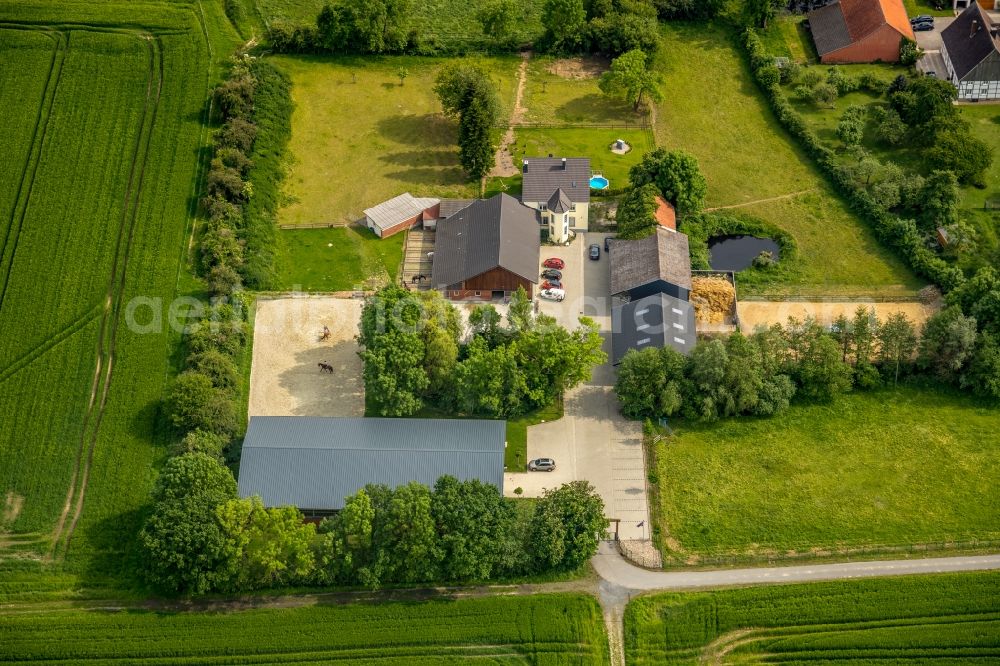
[[714, 299]]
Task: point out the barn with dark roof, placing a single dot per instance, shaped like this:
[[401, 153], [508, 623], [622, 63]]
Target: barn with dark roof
[[487, 250]]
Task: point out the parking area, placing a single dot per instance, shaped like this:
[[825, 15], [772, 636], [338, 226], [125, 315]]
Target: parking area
[[930, 40], [592, 441]]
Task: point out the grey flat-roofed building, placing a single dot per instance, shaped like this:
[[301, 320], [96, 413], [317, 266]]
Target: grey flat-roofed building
[[656, 321], [314, 463]]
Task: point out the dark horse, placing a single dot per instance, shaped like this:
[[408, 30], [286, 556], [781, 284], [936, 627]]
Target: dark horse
[[325, 367]]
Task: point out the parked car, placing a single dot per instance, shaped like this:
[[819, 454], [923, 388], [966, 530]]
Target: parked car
[[595, 251], [922, 27], [552, 274], [923, 18], [607, 243], [541, 465], [552, 294], [914, 24], [552, 284], [554, 262]]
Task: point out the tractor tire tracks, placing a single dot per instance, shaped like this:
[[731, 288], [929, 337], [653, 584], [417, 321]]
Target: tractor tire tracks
[[115, 297], [24, 188]]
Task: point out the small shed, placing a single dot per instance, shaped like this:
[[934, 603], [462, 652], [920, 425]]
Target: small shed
[[399, 213]]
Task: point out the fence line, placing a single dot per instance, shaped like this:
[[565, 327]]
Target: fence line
[[644, 125], [861, 299], [834, 553]]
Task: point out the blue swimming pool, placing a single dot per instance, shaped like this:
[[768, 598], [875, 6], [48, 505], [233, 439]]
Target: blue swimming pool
[[599, 183]]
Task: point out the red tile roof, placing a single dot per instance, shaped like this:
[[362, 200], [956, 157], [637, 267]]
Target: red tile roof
[[666, 216], [866, 16]]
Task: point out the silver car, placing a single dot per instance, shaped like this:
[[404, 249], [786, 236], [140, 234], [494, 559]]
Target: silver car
[[541, 465]]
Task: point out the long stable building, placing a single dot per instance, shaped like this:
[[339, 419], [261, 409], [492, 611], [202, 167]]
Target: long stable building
[[314, 463]]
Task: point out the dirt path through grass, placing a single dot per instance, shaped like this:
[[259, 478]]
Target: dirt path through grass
[[790, 195], [504, 161]]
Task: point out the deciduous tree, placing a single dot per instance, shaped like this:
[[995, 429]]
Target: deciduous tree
[[676, 174], [631, 79]]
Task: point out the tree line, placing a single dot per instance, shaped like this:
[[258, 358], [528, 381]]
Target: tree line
[[201, 537], [415, 353], [977, 294], [760, 374]]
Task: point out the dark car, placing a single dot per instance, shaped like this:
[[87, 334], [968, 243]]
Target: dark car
[[595, 251], [922, 27], [542, 465], [554, 262], [607, 243], [552, 274], [923, 18]]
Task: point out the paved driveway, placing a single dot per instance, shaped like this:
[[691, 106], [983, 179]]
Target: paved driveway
[[930, 40], [592, 441]]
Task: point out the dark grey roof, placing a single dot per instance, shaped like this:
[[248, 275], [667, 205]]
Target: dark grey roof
[[451, 206], [658, 321], [663, 255], [965, 48], [314, 463], [829, 28], [541, 176], [559, 202], [499, 231]]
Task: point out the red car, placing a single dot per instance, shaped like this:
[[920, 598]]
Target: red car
[[554, 262], [552, 284]]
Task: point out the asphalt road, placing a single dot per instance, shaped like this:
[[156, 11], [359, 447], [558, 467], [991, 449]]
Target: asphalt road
[[613, 568]]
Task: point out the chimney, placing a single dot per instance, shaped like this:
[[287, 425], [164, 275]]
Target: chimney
[[524, 168], [973, 28], [564, 164]]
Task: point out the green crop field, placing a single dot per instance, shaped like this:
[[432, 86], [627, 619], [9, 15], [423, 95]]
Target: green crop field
[[104, 110], [889, 468], [715, 112], [545, 629], [941, 619]]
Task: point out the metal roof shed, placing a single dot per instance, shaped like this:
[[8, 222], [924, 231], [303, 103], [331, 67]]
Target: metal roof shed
[[314, 463]]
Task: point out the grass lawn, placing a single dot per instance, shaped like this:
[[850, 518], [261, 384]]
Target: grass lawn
[[950, 618], [445, 22], [723, 120], [889, 468], [516, 456], [552, 98], [546, 629], [984, 121], [588, 142], [336, 259], [355, 145]]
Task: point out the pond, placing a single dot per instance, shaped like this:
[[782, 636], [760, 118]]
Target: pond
[[735, 253]]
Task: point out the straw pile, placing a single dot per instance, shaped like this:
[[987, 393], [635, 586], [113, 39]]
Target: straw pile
[[714, 299]]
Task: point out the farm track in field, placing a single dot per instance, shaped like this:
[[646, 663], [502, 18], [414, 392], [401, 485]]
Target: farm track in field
[[104, 366], [20, 210], [67, 332]]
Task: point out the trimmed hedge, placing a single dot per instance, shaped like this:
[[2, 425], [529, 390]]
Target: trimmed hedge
[[901, 235]]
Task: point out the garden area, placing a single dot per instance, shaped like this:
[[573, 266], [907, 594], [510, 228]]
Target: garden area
[[594, 143], [723, 120], [544, 629], [903, 466], [921, 619], [361, 134], [336, 259]]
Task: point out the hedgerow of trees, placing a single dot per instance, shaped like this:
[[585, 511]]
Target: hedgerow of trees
[[901, 212], [762, 373], [415, 353]]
